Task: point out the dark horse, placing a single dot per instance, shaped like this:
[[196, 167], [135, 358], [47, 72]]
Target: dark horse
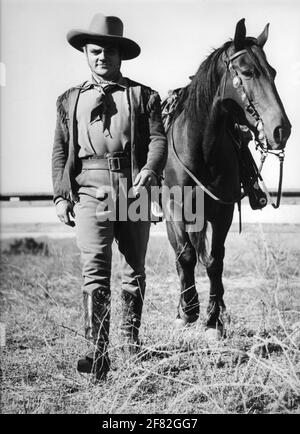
[[233, 87]]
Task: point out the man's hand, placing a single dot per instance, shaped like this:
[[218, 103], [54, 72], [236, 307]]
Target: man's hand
[[146, 178], [64, 209]]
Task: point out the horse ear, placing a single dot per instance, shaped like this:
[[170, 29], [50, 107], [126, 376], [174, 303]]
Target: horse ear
[[240, 34], [262, 38]]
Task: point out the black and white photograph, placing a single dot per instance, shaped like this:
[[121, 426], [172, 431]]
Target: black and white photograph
[[149, 209]]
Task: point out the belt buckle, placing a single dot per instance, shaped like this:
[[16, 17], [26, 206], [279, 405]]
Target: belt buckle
[[111, 164]]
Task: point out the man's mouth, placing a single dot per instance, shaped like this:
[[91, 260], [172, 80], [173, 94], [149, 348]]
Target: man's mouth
[[102, 65]]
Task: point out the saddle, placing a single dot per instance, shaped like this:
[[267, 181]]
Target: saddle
[[169, 107]]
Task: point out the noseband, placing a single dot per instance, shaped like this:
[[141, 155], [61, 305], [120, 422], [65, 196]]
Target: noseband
[[261, 141]]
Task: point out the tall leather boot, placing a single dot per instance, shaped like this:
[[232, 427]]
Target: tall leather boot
[[132, 306], [97, 319]]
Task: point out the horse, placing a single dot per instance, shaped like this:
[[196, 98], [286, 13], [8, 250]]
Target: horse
[[232, 91]]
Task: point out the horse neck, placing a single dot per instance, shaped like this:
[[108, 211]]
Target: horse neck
[[205, 91], [207, 116]]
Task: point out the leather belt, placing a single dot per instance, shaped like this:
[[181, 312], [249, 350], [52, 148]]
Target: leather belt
[[109, 162]]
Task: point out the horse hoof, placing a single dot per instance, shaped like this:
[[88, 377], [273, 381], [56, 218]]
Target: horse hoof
[[180, 324], [214, 334]]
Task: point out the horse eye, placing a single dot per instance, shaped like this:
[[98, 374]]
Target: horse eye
[[248, 73]]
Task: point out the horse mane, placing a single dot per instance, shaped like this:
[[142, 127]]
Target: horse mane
[[204, 85], [196, 98]]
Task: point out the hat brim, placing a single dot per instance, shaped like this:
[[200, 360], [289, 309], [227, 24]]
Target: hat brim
[[78, 39]]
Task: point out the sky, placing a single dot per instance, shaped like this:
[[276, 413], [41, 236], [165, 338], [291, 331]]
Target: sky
[[37, 65]]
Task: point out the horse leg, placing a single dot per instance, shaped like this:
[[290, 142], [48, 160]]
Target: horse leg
[[186, 259], [220, 226]]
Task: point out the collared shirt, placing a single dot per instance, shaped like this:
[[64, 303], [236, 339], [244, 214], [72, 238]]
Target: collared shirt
[[98, 134]]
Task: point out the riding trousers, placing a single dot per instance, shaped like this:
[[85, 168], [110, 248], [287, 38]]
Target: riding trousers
[[96, 232]]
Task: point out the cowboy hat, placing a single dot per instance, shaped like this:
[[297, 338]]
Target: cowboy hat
[[104, 30]]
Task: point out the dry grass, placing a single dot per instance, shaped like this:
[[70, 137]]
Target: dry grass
[[254, 370]]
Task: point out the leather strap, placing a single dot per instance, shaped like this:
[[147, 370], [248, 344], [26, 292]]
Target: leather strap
[[106, 163]]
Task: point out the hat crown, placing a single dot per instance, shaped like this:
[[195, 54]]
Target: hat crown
[[110, 26]]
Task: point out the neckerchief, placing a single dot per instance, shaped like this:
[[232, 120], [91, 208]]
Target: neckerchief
[[102, 103]]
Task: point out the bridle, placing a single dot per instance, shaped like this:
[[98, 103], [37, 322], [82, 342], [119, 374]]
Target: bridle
[[260, 141]]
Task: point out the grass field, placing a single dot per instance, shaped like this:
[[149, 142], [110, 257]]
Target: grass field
[[255, 369]]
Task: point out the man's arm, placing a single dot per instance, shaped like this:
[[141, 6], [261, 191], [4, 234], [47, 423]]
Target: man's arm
[[60, 151], [158, 146], [157, 155], [63, 205]]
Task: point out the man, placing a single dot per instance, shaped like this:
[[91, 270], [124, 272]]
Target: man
[[108, 134]]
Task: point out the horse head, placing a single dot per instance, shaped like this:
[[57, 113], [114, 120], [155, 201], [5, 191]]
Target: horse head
[[249, 82]]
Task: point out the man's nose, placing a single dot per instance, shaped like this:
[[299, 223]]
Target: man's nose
[[103, 55]]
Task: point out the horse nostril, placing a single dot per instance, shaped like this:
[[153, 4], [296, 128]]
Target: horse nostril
[[281, 135]]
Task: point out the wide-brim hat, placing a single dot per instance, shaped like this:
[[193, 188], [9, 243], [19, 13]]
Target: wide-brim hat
[[104, 30]]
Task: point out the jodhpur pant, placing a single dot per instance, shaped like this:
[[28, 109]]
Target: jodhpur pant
[[94, 239]]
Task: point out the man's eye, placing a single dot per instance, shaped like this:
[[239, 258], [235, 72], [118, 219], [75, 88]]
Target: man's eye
[[111, 51]]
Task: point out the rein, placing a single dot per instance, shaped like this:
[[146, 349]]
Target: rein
[[280, 155], [261, 142], [194, 178]]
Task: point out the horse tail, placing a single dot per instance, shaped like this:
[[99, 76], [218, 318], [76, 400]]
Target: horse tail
[[199, 242]]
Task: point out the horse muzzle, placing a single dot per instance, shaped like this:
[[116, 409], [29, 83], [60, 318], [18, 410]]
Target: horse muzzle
[[277, 140], [280, 136]]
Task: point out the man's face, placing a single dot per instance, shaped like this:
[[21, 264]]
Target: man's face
[[104, 60]]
